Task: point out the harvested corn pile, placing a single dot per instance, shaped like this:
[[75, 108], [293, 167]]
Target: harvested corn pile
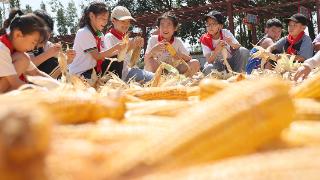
[[224, 126]]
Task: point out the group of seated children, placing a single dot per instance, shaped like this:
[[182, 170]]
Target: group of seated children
[[25, 48]]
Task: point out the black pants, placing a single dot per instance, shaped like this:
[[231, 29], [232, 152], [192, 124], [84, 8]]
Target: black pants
[[116, 67]]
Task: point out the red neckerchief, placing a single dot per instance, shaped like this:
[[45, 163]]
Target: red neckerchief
[[99, 62], [161, 38], [117, 34], [293, 41], [6, 41], [207, 40]]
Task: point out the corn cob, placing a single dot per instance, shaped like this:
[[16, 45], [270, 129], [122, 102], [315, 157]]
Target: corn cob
[[157, 107], [225, 59], [63, 65], [302, 133], [171, 49], [78, 109], [135, 57], [209, 87], [122, 54], [307, 109], [302, 163], [157, 93], [256, 120], [310, 88], [24, 141]]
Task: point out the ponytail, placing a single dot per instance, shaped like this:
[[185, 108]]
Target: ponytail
[[13, 13]]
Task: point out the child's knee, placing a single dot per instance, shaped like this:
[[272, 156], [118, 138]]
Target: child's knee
[[195, 64], [21, 59]]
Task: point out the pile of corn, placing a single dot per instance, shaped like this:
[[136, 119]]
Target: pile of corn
[[174, 128]]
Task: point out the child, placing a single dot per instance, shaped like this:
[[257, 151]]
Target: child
[[156, 49], [45, 56], [121, 19], [316, 43], [89, 44], [25, 33], [296, 43], [217, 38], [308, 65], [273, 32]]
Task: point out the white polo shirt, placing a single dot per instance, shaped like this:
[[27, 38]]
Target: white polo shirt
[[165, 56], [6, 64], [110, 41], [226, 34], [84, 43]]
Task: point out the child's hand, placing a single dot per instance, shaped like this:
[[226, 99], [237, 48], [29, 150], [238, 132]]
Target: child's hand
[[54, 50], [302, 72], [220, 46], [229, 40], [136, 42], [118, 47], [71, 54], [160, 47]]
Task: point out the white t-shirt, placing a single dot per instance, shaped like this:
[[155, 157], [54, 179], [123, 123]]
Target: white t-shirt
[[165, 56], [110, 41], [6, 65], [226, 34], [84, 43]]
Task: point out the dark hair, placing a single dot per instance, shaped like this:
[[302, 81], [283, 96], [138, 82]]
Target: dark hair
[[274, 22], [171, 16], [96, 8], [13, 13], [46, 17]]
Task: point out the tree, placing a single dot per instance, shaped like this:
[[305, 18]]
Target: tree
[[72, 17], [61, 21], [28, 9], [43, 6], [14, 4]]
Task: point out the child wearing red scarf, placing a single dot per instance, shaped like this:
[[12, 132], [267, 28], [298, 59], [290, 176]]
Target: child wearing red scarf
[[121, 19], [297, 42], [26, 32], [217, 38], [156, 50], [89, 42]]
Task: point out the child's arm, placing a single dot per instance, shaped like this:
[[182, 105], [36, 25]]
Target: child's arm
[[307, 67], [135, 43], [14, 81], [232, 44], [108, 53], [267, 42], [213, 55], [51, 52], [150, 63]]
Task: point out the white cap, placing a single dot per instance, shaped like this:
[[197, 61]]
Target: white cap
[[121, 13]]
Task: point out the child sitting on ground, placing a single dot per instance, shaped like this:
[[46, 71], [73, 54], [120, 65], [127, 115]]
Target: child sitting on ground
[[26, 32], [157, 52], [215, 40], [121, 19]]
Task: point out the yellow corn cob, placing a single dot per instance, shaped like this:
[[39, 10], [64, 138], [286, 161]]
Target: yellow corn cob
[[157, 107], [215, 128], [307, 109], [76, 109], [158, 93], [171, 49], [122, 54], [209, 87], [302, 163], [135, 57], [225, 59], [24, 141], [302, 133], [310, 88]]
